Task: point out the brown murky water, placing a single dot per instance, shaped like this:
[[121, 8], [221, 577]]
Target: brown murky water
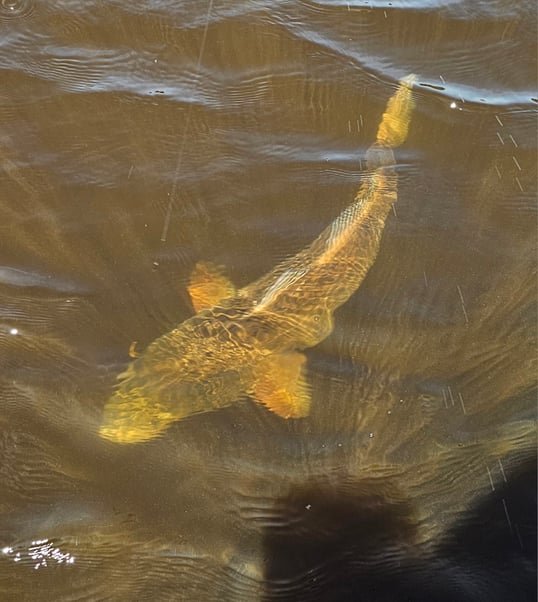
[[139, 138]]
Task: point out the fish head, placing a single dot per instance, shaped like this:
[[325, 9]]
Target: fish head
[[142, 409], [132, 416], [175, 378]]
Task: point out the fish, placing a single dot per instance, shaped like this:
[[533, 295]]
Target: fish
[[249, 342]]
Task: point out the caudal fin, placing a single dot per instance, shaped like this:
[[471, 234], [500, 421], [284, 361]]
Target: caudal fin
[[394, 124]]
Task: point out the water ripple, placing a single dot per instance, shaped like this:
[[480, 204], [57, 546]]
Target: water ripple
[[15, 9]]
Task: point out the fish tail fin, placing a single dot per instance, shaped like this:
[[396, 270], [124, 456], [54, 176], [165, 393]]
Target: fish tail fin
[[394, 124]]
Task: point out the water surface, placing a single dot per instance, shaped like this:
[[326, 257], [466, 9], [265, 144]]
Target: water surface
[[139, 138]]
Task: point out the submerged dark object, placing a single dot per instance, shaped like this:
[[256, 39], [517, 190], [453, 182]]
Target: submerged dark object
[[356, 541]]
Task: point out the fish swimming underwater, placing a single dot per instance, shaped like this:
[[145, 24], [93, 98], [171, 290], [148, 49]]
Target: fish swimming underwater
[[249, 341]]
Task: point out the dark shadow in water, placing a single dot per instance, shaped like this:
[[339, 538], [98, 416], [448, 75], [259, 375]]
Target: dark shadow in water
[[355, 541]]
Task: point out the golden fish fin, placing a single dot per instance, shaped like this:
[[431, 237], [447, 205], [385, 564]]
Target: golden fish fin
[[133, 418], [208, 285], [394, 124], [281, 385]]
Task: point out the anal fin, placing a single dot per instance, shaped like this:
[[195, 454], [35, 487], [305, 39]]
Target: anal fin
[[281, 385]]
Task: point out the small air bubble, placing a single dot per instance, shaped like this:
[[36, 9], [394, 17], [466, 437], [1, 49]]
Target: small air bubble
[[13, 331], [453, 105]]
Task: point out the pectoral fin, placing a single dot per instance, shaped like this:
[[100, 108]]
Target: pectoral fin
[[281, 385], [208, 285]]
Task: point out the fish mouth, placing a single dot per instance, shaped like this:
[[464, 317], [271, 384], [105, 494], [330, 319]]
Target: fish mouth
[[132, 418]]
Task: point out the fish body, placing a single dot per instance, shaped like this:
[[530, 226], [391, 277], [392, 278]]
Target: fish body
[[248, 342]]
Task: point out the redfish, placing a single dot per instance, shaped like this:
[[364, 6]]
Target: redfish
[[249, 342]]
